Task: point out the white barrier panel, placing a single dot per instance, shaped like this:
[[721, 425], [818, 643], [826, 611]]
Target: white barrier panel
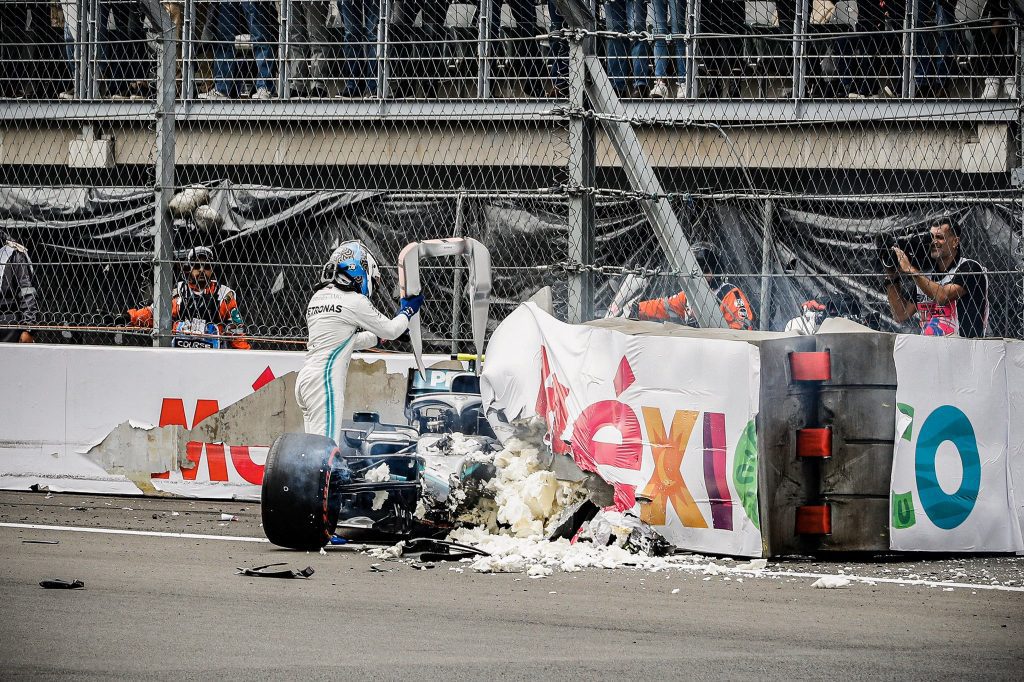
[[1015, 445], [950, 483], [668, 421], [59, 401]]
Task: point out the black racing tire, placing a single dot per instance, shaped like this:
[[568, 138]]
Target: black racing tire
[[298, 511]]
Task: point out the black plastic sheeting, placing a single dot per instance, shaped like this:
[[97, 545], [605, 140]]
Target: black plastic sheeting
[[93, 248]]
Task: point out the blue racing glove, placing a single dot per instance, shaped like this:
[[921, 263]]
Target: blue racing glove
[[410, 306]]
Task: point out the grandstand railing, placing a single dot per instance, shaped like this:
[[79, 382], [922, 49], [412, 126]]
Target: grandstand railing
[[96, 50]]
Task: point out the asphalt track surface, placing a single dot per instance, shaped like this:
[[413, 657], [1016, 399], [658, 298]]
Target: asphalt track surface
[[172, 607]]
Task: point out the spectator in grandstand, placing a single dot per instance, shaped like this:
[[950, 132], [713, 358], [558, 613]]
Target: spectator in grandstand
[[69, 20], [952, 300], [994, 43], [204, 312], [360, 19], [725, 20], [735, 305], [935, 48], [669, 16], [18, 308], [122, 35], [261, 22], [558, 54], [200, 14], [870, 56], [24, 29], [339, 308], [627, 58], [308, 45], [417, 51], [522, 48]]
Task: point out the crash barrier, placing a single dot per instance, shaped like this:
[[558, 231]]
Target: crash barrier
[[743, 443], [133, 421], [871, 442], [723, 441], [827, 433]]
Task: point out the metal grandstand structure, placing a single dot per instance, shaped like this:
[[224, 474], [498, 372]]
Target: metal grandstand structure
[[588, 145]]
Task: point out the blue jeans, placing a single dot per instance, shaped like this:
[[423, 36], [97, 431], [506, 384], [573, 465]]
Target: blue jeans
[[258, 18], [558, 49], [937, 66], [360, 18], [622, 16], [666, 13]]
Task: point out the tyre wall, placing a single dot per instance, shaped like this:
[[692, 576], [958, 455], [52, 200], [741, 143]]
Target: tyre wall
[[826, 432]]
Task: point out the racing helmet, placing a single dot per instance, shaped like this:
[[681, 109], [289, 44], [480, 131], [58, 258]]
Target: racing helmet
[[352, 267]]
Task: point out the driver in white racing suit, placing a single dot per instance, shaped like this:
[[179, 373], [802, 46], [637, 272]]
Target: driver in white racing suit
[[339, 308]]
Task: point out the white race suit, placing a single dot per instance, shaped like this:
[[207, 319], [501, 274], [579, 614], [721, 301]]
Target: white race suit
[[334, 318]]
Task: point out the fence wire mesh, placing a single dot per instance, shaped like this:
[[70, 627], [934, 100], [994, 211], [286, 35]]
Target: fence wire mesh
[[618, 152]]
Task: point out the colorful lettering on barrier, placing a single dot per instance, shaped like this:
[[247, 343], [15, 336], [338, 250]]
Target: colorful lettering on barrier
[[715, 470], [627, 453], [744, 474], [609, 433], [172, 413], [947, 423], [666, 484], [908, 412], [903, 510], [551, 405], [946, 510]]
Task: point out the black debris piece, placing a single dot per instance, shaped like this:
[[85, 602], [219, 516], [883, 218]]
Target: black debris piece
[[269, 571], [57, 584], [573, 519], [441, 550]]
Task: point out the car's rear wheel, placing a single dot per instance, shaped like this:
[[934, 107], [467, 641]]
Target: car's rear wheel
[[298, 510]]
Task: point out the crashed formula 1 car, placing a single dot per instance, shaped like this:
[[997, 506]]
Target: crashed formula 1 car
[[391, 480], [386, 481]]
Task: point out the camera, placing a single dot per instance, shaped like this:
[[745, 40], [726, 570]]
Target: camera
[[884, 244]]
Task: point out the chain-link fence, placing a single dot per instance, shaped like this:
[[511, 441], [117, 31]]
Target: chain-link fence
[[618, 152]]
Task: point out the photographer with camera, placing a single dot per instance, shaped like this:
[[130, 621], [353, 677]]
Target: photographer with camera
[[952, 300]]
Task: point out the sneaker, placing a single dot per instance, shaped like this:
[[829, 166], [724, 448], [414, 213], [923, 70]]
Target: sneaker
[[1010, 84], [887, 93], [69, 94], [214, 94], [659, 90], [991, 90], [855, 95], [681, 91], [262, 93]]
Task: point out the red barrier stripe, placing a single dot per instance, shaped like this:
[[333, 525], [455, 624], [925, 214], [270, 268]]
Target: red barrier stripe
[[715, 470], [814, 443], [813, 520], [810, 366]]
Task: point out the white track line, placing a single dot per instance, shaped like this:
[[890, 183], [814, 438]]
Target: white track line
[[149, 533], [754, 574], [893, 581]]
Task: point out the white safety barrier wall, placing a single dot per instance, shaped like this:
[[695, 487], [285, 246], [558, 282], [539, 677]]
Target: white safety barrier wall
[[668, 421], [629, 406], [959, 456], [59, 402]]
